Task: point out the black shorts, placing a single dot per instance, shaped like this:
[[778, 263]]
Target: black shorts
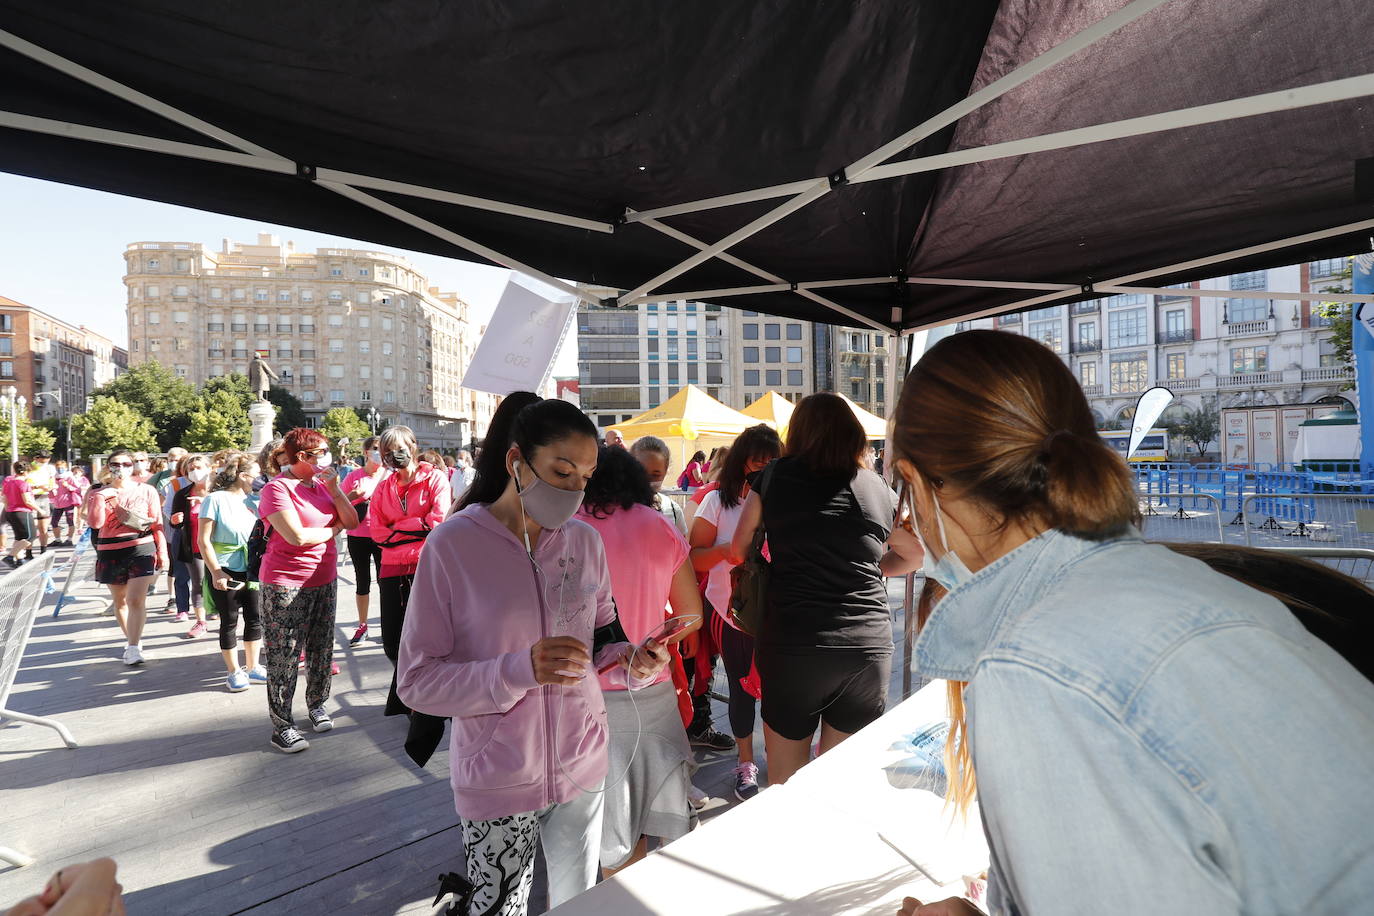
[[117, 567], [845, 688], [21, 523]]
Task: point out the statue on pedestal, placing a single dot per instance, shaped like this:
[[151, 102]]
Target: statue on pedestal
[[260, 376]]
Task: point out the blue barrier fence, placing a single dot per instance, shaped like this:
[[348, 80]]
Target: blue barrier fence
[[1281, 485]]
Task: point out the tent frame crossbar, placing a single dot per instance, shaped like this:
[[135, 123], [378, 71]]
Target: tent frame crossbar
[[818, 188]]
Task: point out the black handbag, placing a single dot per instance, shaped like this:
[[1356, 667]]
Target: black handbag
[[749, 580]]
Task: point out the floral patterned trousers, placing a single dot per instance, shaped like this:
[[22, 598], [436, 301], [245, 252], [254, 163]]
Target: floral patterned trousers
[[293, 619]]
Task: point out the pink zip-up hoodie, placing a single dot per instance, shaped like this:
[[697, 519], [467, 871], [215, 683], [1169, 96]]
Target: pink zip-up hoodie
[[475, 611], [394, 515]]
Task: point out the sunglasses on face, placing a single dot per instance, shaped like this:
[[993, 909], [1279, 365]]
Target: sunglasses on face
[[121, 464], [314, 452]]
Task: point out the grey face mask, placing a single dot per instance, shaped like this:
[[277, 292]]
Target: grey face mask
[[400, 458], [549, 506]]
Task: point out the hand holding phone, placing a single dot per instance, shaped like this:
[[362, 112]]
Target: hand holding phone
[[665, 634]]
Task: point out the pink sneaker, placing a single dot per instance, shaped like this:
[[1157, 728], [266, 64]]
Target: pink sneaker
[[334, 668], [197, 630], [182, 616]]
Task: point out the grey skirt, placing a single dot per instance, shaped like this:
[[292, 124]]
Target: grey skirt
[[651, 798]]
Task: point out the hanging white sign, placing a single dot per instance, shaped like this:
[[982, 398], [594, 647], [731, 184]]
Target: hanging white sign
[[1147, 411], [520, 343]]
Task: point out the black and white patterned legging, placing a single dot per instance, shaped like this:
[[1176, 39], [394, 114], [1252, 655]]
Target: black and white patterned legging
[[293, 619]]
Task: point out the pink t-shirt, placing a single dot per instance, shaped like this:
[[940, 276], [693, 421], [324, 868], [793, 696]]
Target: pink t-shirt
[[298, 567], [364, 529], [643, 551], [15, 488]]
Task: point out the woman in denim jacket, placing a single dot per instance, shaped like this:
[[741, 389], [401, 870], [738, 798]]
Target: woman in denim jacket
[[1148, 736]]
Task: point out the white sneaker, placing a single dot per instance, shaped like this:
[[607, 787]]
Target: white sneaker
[[133, 655], [696, 798]]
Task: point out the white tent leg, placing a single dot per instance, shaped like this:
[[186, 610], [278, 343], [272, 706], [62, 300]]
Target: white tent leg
[[39, 720]]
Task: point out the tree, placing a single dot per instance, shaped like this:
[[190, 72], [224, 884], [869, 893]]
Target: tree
[[342, 422], [34, 438], [290, 412], [1199, 427], [229, 396], [382, 422], [209, 431], [153, 391], [110, 424]]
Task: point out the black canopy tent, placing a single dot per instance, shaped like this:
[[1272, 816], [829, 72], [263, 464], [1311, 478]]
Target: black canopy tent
[[897, 165]]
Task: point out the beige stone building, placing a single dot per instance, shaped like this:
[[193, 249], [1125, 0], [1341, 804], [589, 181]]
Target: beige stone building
[[768, 353], [341, 327]]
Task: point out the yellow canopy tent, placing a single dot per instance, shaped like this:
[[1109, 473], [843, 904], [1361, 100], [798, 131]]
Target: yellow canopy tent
[[773, 409], [875, 427], [688, 421]]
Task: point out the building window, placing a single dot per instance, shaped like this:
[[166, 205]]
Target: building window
[[151, 292], [1042, 314], [672, 348], [363, 272], [1249, 359], [336, 271], [1130, 373], [364, 395], [239, 293], [1330, 267], [653, 374], [714, 375], [364, 372], [794, 354], [1177, 366], [1253, 279], [1049, 333], [307, 295], [283, 295], [336, 395], [670, 323], [1126, 329], [692, 351], [386, 348], [712, 327], [336, 346], [1326, 354], [7, 366], [364, 321], [153, 263], [154, 317], [751, 331], [653, 348], [794, 332], [773, 377], [772, 331], [794, 378], [364, 346], [336, 371], [692, 376], [751, 377], [751, 354], [772, 354], [1175, 323], [335, 295], [674, 376], [1125, 300], [1246, 310], [713, 349], [1087, 374], [386, 324], [651, 323], [690, 322], [389, 397]]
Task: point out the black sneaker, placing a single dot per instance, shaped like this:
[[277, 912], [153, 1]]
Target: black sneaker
[[711, 738], [28, 554], [288, 740], [11, 562], [319, 719]]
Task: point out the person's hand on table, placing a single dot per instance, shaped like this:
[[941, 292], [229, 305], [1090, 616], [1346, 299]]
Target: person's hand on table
[[88, 889], [950, 906]]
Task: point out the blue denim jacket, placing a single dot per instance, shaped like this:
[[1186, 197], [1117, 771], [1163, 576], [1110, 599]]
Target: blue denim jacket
[[1152, 737]]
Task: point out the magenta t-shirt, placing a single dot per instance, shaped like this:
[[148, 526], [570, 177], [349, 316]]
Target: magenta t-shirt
[[643, 551], [15, 488], [298, 567]]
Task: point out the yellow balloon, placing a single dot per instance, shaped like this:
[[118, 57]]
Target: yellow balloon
[[688, 430]]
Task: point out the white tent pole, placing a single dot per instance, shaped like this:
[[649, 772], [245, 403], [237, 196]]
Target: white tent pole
[[686, 239], [779, 287], [820, 187], [1119, 282], [128, 94], [151, 144], [477, 248], [990, 284], [1267, 103], [836, 307]]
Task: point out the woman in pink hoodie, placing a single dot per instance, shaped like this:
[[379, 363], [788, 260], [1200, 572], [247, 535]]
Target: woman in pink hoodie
[[406, 506], [510, 618]]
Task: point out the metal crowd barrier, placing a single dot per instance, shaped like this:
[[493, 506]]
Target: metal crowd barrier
[[1314, 523], [21, 593], [1165, 515]]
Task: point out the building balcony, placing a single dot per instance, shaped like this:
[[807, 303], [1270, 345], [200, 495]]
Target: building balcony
[[1091, 307], [262, 328], [1125, 389], [307, 354], [216, 354], [236, 326], [1328, 374], [1187, 335], [283, 329], [283, 354], [1250, 379], [1092, 391], [307, 329], [215, 326], [1085, 346], [307, 379], [1249, 328], [240, 354]]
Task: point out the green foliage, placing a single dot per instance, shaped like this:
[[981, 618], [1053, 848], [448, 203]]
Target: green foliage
[[209, 431], [341, 422], [231, 411], [382, 422], [110, 424], [290, 412], [1199, 428], [154, 392], [34, 438], [1341, 316]]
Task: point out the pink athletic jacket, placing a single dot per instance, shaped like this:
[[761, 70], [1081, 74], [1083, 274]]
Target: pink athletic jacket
[[394, 516], [475, 610]]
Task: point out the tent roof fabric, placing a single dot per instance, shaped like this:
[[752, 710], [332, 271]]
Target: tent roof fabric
[[875, 427], [773, 409], [689, 414], [591, 110]]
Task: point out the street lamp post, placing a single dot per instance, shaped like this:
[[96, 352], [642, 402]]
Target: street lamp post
[[373, 418], [14, 402], [61, 415]]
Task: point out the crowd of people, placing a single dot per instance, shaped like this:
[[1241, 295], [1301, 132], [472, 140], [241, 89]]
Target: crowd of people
[[1183, 726]]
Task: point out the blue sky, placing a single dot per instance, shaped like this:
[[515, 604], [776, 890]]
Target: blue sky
[[62, 251]]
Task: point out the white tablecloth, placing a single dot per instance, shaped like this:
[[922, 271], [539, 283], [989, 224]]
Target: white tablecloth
[[815, 845]]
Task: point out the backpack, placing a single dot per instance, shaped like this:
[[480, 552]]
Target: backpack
[[257, 546], [749, 580]]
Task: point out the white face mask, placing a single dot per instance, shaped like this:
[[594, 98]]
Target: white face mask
[[119, 472], [198, 474], [140, 465], [324, 461], [949, 570], [374, 456], [656, 485]]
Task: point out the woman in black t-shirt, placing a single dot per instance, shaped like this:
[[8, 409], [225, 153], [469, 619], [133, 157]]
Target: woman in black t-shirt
[[824, 649]]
